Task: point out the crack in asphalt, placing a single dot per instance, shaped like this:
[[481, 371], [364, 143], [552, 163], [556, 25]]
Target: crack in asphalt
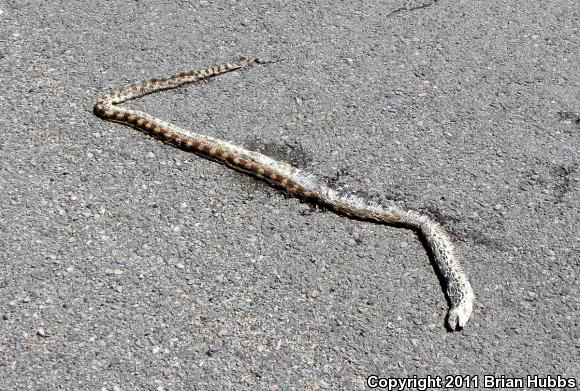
[[410, 9]]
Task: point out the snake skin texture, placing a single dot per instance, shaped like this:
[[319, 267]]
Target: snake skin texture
[[296, 181]]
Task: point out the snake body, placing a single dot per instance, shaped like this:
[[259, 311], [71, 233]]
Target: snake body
[[296, 181]]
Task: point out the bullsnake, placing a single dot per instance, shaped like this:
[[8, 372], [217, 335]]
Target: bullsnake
[[296, 181]]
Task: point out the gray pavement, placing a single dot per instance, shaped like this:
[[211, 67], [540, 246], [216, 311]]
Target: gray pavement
[[128, 264]]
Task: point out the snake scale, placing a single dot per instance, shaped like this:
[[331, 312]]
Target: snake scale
[[296, 181]]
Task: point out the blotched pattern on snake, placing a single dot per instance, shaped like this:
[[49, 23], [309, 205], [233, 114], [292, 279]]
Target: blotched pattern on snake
[[298, 182]]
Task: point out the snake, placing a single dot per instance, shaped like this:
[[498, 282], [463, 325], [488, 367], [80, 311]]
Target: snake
[[438, 241]]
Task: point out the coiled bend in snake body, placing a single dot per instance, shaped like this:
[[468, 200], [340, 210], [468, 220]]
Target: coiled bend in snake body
[[296, 181]]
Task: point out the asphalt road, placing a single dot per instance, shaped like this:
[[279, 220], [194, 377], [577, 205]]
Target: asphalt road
[[127, 264]]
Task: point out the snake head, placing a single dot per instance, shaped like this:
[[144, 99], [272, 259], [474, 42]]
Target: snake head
[[459, 314]]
